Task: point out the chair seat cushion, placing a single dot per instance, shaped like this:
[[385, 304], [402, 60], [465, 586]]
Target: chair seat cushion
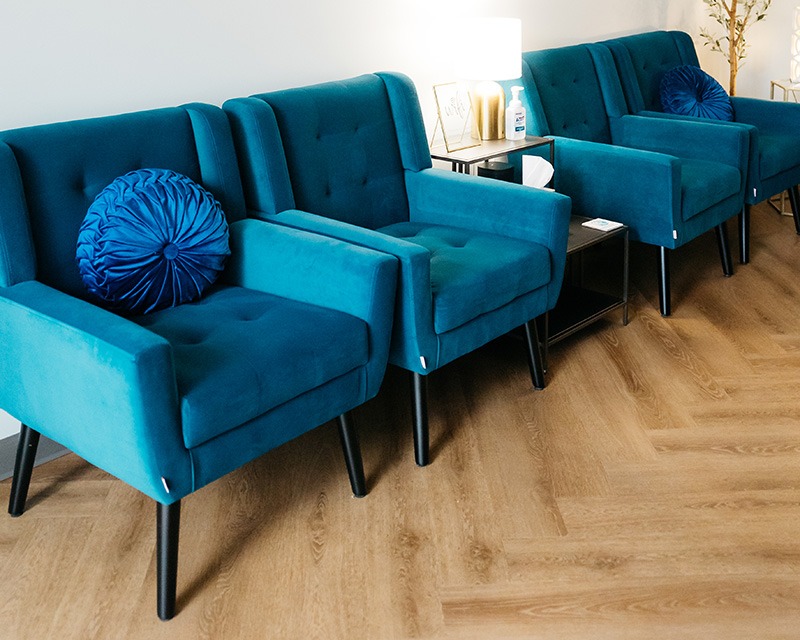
[[778, 154], [689, 91], [239, 353], [473, 273], [151, 239], [704, 184]]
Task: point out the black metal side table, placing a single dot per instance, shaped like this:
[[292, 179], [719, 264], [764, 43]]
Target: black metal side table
[[577, 304], [462, 160]]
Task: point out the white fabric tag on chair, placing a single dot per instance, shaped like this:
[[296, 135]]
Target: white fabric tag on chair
[[536, 171]]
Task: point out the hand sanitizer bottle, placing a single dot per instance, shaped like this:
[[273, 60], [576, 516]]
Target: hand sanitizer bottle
[[515, 116]]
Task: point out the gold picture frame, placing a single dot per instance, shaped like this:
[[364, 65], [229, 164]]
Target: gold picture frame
[[455, 117]]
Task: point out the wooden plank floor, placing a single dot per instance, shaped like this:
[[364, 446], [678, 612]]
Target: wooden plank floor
[[651, 491]]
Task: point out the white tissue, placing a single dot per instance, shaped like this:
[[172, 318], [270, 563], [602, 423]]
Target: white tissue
[[536, 171]]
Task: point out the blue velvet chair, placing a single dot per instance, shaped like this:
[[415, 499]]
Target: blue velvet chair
[[478, 257], [295, 333], [774, 166], [668, 180]]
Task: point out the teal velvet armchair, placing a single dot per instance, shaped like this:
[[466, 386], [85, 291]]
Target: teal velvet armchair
[[774, 161], [668, 180], [478, 257], [295, 333]]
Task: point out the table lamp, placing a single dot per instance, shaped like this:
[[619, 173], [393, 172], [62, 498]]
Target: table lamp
[[492, 50]]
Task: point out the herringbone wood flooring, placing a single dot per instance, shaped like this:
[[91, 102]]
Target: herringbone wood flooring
[[651, 491]]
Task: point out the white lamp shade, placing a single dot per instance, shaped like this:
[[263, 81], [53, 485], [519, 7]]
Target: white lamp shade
[[795, 77], [490, 49]]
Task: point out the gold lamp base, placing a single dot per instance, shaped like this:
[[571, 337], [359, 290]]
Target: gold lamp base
[[489, 107]]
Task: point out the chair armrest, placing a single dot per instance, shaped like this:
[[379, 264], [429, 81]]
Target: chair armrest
[[322, 271], [769, 116], [675, 116], [638, 188], [491, 206], [753, 168], [311, 268], [751, 130], [97, 383], [698, 140], [414, 303], [442, 197]]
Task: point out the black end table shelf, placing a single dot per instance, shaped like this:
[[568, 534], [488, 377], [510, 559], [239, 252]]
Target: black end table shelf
[[579, 306]]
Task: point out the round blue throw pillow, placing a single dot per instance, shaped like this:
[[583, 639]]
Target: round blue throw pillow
[[151, 239], [690, 91]]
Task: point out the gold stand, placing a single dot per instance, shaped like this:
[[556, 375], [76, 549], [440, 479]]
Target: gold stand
[[489, 107], [790, 89], [778, 203]]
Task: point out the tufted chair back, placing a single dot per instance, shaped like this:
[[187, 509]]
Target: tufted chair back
[[644, 58], [343, 149], [58, 169], [570, 96]]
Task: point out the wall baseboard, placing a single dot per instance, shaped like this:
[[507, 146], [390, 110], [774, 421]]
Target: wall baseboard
[[47, 451]]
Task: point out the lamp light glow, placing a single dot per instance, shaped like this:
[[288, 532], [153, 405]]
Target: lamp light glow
[[491, 50]]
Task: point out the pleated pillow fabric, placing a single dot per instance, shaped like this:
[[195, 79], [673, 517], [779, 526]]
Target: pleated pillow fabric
[[151, 239], [689, 91]]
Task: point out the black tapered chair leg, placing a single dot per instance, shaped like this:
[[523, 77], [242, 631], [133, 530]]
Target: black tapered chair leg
[[794, 200], [352, 455], [421, 435], [663, 283], [23, 468], [535, 362], [744, 235], [168, 524], [724, 249]]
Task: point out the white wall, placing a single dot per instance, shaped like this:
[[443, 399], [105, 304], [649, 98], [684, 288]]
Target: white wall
[[768, 53], [64, 60], [8, 426]]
